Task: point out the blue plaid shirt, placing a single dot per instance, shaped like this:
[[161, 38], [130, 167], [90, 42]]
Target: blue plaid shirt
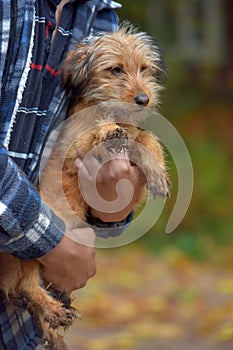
[[31, 105]]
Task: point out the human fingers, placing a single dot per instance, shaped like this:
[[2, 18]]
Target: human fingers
[[72, 262]]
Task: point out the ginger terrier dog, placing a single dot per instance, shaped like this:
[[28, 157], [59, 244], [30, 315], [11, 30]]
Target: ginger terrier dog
[[103, 70]]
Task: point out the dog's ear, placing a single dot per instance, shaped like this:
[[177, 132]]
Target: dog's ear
[[159, 63], [75, 69]]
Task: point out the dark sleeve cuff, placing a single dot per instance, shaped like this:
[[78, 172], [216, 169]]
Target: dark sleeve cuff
[[108, 229]]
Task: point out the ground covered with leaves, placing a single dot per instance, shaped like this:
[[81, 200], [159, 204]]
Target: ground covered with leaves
[[140, 300]]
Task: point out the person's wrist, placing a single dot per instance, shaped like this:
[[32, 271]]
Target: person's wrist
[[109, 217], [108, 229], [111, 220]]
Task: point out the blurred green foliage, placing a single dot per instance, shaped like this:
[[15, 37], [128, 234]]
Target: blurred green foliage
[[198, 102]]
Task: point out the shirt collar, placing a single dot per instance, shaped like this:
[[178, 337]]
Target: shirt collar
[[57, 2]]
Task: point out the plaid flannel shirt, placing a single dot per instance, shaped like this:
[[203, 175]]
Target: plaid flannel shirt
[[31, 105]]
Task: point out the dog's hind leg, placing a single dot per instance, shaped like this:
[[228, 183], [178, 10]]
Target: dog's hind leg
[[39, 302]]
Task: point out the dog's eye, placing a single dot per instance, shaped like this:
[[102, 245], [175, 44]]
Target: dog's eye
[[143, 69], [158, 76], [116, 70]]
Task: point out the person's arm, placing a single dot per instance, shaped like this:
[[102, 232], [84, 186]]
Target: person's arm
[[28, 228]]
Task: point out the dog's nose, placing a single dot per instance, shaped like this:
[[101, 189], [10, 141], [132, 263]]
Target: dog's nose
[[141, 99]]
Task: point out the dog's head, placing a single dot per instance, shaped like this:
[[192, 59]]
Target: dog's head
[[122, 66]]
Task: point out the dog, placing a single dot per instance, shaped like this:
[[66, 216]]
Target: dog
[[100, 74]]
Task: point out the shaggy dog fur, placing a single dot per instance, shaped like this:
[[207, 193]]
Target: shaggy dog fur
[[123, 67]]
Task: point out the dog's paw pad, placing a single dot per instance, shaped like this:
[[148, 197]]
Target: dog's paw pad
[[118, 133], [116, 139]]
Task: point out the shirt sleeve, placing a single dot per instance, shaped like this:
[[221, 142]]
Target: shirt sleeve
[[28, 228]]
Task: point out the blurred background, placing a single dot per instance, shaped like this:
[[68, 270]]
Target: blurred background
[[175, 291]]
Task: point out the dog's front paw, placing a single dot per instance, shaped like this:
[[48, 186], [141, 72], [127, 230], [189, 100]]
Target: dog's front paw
[[116, 140], [118, 133], [159, 184]]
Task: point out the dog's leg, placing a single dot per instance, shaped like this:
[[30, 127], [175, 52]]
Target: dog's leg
[[20, 282], [53, 342], [147, 153], [39, 302], [106, 137]]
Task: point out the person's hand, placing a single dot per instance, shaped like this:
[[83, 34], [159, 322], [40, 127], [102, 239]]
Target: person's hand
[[70, 264], [108, 176]]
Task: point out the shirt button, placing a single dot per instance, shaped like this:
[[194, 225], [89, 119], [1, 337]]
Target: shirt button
[[52, 14], [47, 50]]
